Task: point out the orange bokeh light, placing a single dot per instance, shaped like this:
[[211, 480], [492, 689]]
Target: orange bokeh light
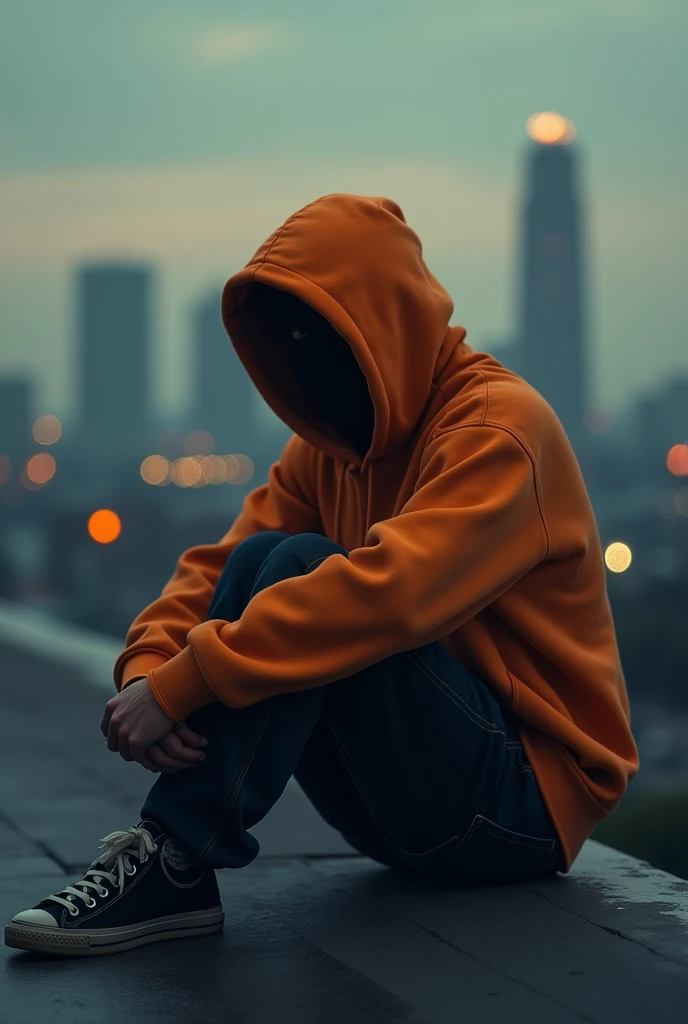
[[104, 526], [677, 460], [40, 468], [47, 430]]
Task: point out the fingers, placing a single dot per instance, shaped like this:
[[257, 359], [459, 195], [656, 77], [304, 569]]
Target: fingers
[[115, 741], [172, 745], [146, 762], [163, 762], [109, 726], [190, 738]]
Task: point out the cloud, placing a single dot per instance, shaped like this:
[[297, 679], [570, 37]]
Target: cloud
[[217, 45]]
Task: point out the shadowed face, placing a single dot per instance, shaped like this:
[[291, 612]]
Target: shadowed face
[[327, 371]]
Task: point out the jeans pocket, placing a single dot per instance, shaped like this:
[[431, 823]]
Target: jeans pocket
[[487, 853]]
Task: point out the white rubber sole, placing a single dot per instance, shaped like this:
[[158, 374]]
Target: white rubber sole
[[41, 939]]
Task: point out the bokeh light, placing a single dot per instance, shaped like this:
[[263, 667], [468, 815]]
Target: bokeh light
[[240, 469], [213, 469], [5, 469], [104, 526], [677, 460], [186, 472], [618, 557], [550, 128], [47, 430], [40, 469], [199, 442], [155, 470]]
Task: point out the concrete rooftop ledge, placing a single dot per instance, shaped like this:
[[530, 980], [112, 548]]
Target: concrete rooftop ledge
[[313, 932]]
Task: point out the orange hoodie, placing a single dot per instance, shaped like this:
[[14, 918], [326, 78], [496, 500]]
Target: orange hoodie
[[467, 522]]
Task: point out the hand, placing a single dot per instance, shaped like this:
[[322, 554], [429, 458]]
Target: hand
[[133, 721], [179, 749]]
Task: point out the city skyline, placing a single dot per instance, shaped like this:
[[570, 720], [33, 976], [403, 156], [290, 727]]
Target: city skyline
[[143, 136], [551, 268]]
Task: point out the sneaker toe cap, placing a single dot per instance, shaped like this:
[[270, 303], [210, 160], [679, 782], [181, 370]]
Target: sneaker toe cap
[[34, 916]]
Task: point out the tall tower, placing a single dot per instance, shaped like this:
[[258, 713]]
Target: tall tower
[[224, 392], [552, 314], [113, 346]]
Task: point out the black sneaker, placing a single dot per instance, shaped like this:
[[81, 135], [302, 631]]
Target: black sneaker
[[130, 895]]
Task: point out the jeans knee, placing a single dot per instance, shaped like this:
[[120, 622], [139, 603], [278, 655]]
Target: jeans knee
[[309, 548], [261, 540], [251, 552]]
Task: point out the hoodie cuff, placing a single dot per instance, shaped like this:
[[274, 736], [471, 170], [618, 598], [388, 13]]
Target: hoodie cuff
[[140, 665], [179, 686]]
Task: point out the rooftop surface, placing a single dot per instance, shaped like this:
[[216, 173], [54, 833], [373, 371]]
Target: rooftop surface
[[313, 932]]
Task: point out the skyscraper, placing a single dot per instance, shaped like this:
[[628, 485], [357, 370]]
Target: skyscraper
[[552, 314], [224, 392], [15, 417], [113, 346]]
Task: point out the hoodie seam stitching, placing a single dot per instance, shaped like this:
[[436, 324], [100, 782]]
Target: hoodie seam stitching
[[271, 246], [486, 397], [290, 219], [519, 440]]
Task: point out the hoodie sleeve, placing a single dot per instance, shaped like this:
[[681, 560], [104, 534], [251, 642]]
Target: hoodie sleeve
[[471, 529], [159, 633]]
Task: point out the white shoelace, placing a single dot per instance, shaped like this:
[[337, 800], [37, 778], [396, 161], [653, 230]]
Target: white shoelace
[[117, 849]]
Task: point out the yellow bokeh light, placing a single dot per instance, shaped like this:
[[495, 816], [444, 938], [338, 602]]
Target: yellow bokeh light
[[550, 128], [40, 468], [199, 442], [186, 472], [155, 470], [47, 430], [677, 460], [5, 469], [104, 526], [618, 557]]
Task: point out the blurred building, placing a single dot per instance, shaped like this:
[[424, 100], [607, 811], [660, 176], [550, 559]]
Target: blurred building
[[552, 314], [224, 394], [15, 417], [113, 358], [661, 421]]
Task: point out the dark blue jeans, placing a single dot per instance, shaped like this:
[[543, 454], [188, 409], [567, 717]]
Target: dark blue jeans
[[413, 760]]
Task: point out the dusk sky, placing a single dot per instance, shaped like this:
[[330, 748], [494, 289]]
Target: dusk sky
[[185, 132]]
